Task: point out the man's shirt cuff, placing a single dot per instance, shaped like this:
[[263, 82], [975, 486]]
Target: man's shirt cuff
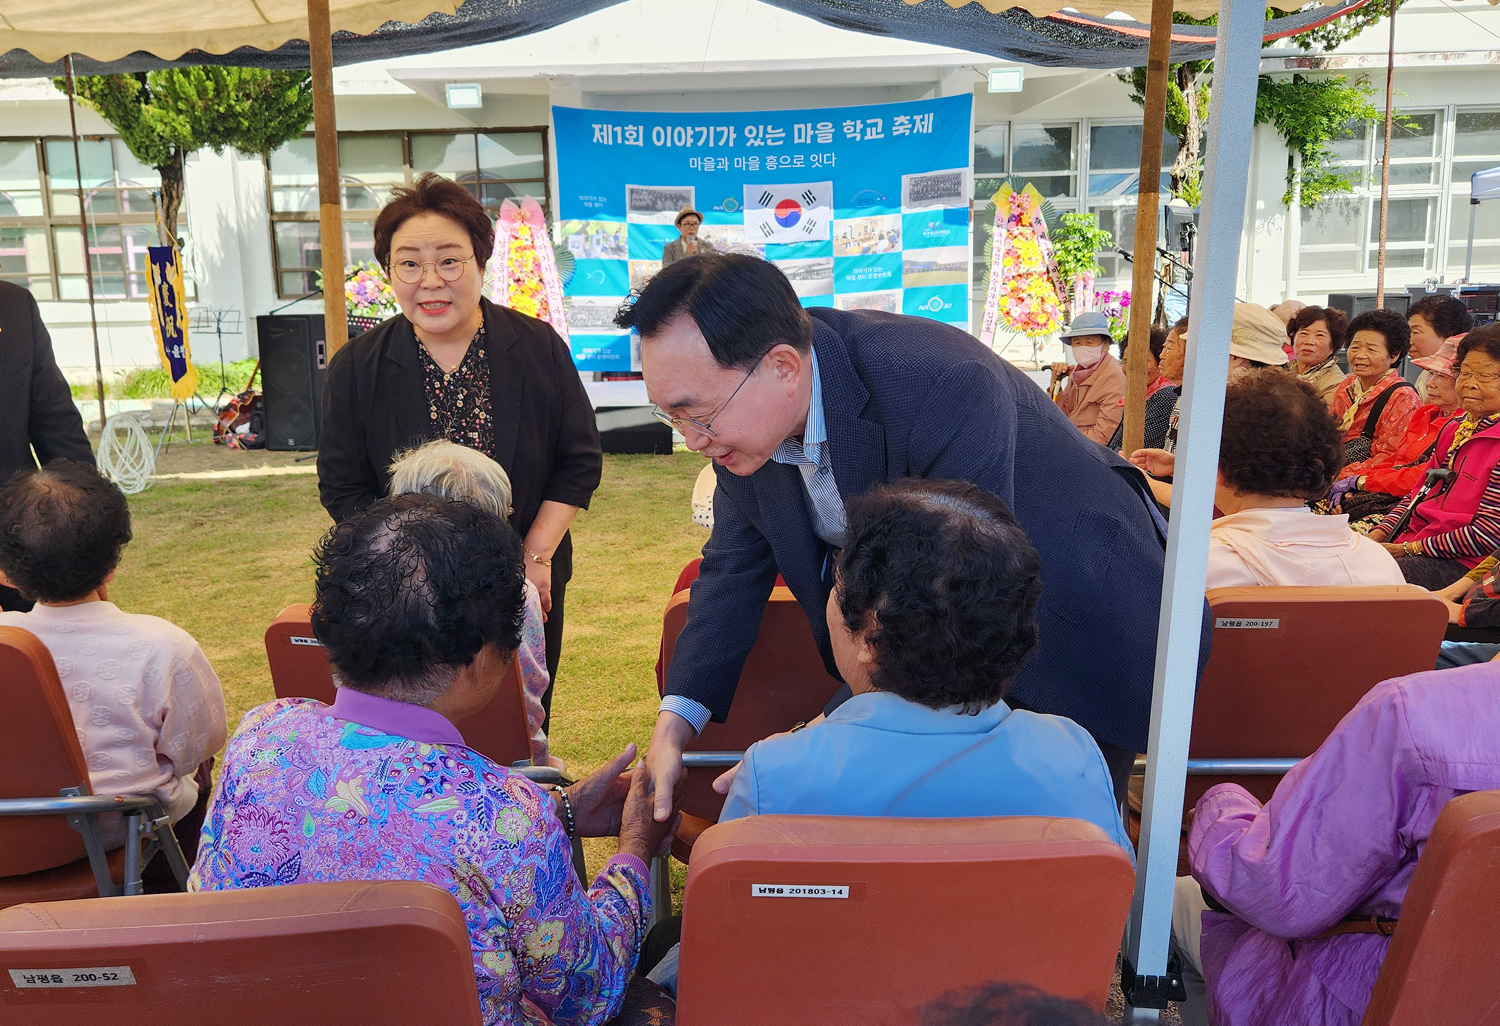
[[694, 712]]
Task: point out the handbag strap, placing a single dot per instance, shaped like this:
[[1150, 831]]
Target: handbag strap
[[1375, 411]]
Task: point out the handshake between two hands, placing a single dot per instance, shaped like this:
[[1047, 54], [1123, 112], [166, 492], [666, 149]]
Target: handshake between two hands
[[617, 799]]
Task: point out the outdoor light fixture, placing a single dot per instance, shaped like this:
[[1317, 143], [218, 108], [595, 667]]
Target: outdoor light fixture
[[1006, 80], [465, 94]]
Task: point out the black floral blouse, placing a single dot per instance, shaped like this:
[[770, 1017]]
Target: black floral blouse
[[459, 403]]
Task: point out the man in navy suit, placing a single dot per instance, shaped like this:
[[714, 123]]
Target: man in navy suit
[[799, 409]]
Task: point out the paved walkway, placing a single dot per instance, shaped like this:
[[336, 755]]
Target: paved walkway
[[242, 472]]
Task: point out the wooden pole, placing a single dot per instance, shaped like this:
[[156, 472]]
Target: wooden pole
[[83, 226], [1385, 162], [330, 211], [1143, 266]]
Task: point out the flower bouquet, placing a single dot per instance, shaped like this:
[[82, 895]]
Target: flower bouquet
[[1116, 307], [524, 268], [1023, 292]]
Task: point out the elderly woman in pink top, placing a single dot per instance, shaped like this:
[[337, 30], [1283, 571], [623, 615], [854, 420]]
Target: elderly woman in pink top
[[1336, 844], [148, 707]]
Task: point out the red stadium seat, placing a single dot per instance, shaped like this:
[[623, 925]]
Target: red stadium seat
[[784, 682], [1444, 958], [1287, 664], [372, 953], [834, 921], [44, 784], [299, 669]]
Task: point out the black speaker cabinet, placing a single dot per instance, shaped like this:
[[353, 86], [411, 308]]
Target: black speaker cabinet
[[293, 360]]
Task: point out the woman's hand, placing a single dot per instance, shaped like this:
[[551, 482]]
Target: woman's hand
[[1455, 611], [1458, 590], [541, 576], [1059, 370], [599, 798], [640, 834], [1394, 550], [1377, 535], [1156, 462], [724, 781], [1340, 489]]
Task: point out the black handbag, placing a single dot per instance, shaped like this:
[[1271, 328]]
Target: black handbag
[[1358, 448]]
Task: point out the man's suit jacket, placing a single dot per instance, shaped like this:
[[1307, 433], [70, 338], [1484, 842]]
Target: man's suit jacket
[[375, 406], [910, 397], [677, 250], [36, 406]]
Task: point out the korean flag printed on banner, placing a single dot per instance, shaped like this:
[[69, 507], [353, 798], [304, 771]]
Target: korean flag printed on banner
[[789, 212]]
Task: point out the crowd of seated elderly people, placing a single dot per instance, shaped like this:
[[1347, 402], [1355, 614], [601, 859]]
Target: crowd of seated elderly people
[[422, 603]]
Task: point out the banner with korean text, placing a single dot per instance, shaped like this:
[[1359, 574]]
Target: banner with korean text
[[861, 207]]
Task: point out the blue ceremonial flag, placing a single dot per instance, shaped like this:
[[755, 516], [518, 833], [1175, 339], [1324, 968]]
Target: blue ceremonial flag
[[861, 207], [169, 319]]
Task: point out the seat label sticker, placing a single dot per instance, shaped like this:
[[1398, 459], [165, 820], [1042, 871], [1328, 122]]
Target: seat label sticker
[[1244, 624], [295, 640], [758, 890], [93, 976]]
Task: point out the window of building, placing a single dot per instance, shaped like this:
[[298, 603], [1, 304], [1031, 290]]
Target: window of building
[[41, 241], [1476, 147], [1114, 177], [493, 165], [1341, 235]]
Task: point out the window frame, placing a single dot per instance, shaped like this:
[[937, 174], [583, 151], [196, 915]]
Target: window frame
[[408, 177], [50, 221]]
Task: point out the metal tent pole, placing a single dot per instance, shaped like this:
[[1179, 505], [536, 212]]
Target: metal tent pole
[[1473, 210], [83, 227], [330, 209], [1230, 127], [1143, 268], [1385, 163]]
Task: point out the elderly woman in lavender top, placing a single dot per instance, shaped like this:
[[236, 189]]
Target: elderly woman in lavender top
[[1339, 840]]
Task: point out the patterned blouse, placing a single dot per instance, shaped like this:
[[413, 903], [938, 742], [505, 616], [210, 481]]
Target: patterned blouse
[[459, 403], [1351, 406], [373, 789]]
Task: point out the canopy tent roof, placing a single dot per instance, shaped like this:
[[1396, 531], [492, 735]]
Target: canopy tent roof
[[1485, 184], [229, 32]]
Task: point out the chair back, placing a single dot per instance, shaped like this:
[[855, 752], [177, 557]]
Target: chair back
[[369, 952], [39, 756], [299, 669], [843, 920], [784, 681], [1444, 959], [1287, 664]]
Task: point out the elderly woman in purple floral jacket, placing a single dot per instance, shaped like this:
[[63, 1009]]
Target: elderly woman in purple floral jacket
[[419, 602], [1338, 842]]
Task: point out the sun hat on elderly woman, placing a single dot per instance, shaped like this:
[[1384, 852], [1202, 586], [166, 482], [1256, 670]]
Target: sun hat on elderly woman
[[1257, 335], [1445, 360], [1088, 323]]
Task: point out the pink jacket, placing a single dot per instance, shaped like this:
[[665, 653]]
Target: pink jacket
[[1454, 507], [1341, 835]]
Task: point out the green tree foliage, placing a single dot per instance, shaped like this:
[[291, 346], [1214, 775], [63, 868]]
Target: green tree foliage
[[1307, 113], [164, 115]]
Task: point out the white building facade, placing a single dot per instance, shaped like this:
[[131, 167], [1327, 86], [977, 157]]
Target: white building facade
[[250, 223]]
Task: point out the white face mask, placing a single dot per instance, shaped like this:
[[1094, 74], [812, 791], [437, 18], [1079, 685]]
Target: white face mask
[[1087, 356]]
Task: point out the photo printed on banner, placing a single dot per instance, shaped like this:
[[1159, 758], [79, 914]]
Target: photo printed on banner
[[935, 189], [789, 212], [593, 315], [656, 204], [730, 238], [945, 265], [809, 277], [641, 272], [863, 236], [887, 301], [594, 240]]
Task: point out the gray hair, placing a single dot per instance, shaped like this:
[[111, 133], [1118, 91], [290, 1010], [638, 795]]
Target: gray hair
[[454, 472]]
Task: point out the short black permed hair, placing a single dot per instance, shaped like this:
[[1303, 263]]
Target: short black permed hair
[[409, 590], [1448, 316], [1279, 438], [744, 306], [952, 584], [1389, 325], [62, 529]]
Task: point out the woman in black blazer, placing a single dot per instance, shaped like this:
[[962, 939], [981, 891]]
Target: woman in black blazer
[[454, 365]]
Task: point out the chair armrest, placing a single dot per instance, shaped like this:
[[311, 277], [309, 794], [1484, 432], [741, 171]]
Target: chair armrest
[[711, 760], [539, 774], [76, 804], [1231, 767]]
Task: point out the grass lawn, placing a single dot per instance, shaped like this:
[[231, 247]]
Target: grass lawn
[[221, 558]]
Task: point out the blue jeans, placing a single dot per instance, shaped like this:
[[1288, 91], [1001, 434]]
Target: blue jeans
[[1465, 653]]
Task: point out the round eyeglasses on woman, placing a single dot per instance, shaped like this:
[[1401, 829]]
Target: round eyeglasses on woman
[[411, 271]]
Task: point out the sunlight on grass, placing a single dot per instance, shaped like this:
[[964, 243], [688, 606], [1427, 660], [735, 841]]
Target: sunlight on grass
[[221, 558]]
